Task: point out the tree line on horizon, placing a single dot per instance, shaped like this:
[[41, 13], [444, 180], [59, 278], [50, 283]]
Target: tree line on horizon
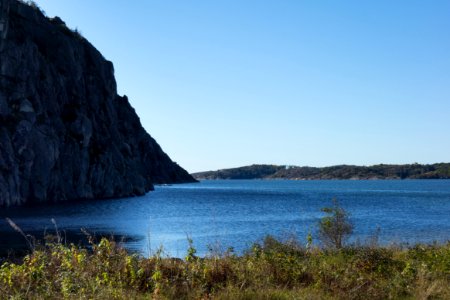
[[381, 171]]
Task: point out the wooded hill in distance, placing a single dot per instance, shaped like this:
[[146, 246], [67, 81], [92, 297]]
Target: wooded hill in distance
[[381, 171]]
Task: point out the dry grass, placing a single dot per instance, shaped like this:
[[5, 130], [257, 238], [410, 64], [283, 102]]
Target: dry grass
[[269, 270]]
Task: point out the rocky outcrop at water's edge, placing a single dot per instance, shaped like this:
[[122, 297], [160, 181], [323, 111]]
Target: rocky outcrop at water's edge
[[65, 134]]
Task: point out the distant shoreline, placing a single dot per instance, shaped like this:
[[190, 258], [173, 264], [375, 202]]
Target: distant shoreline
[[340, 172], [321, 179]]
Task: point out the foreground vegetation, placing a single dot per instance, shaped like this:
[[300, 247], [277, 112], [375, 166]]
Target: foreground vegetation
[[269, 270]]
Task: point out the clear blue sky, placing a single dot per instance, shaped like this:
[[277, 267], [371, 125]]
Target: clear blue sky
[[229, 83]]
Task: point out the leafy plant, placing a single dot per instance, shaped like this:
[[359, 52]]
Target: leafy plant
[[336, 227], [270, 269]]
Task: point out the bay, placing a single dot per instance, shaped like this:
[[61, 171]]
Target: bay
[[235, 213]]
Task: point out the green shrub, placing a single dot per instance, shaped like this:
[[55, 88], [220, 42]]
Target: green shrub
[[336, 227], [272, 269]]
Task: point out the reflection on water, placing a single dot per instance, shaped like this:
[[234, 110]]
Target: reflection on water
[[239, 212]]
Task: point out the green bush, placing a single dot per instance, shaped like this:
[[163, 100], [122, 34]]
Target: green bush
[[269, 270], [336, 227]]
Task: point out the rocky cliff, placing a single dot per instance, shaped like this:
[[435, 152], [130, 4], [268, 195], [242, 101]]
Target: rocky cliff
[[65, 134]]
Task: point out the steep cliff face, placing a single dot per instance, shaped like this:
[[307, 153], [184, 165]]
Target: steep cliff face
[[65, 134]]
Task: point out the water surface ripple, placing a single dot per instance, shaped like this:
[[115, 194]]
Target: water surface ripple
[[235, 213]]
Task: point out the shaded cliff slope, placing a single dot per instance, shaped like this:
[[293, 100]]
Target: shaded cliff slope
[[65, 134], [413, 171]]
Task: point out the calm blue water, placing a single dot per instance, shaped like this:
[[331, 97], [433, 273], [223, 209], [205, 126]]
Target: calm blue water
[[235, 213]]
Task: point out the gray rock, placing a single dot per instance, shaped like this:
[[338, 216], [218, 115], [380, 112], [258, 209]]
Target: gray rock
[[65, 134]]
